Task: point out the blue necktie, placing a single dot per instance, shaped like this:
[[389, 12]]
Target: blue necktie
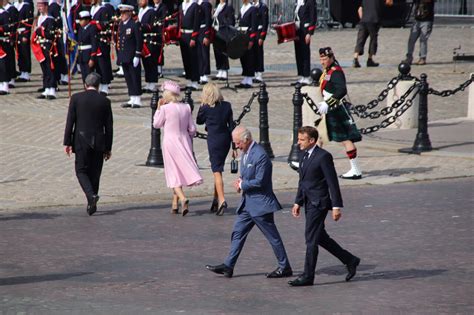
[[305, 158]]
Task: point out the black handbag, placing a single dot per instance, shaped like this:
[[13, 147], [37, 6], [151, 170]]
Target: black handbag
[[234, 166]]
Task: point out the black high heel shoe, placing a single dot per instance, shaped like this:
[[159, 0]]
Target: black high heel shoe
[[214, 205], [221, 209], [185, 207]]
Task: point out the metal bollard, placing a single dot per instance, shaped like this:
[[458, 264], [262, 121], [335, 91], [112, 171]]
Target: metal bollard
[[263, 121], [294, 156], [422, 141], [155, 156], [188, 98]]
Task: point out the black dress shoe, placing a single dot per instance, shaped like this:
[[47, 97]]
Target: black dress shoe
[[371, 63], [103, 93], [214, 205], [355, 63], [295, 83], [126, 105], [63, 83], [354, 177], [301, 282], [221, 269], [280, 273], [222, 207], [243, 86], [22, 80], [256, 80], [203, 82], [92, 205], [136, 106], [50, 97], [352, 268], [40, 90], [3, 93], [11, 86], [148, 91], [215, 78], [41, 97]]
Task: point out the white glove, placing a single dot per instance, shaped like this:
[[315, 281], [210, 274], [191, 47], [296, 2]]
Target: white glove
[[323, 107], [136, 62]]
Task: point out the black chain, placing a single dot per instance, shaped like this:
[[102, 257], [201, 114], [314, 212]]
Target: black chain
[[383, 94], [246, 109], [447, 93]]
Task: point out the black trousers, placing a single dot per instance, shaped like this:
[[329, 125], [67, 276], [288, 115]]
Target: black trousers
[[259, 67], [10, 59], [315, 234], [151, 65], [88, 167], [303, 55], [190, 57], [133, 78], [366, 30], [248, 61], [24, 56], [85, 70], [222, 61], [4, 73], [48, 76], [204, 57], [60, 63], [104, 65]]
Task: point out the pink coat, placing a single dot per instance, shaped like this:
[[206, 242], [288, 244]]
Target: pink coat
[[178, 130]]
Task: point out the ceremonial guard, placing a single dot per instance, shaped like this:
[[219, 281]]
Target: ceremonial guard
[[87, 45], [59, 59], [262, 35], [25, 16], [102, 20], [11, 68], [42, 47], [248, 24], [129, 46], [305, 19], [340, 124], [188, 42], [4, 43], [161, 12], [151, 48], [205, 29], [223, 16]]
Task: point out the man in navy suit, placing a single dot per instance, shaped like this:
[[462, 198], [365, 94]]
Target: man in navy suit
[[318, 192], [257, 206]]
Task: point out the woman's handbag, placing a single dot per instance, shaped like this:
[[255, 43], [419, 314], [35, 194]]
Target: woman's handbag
[[234, 166]]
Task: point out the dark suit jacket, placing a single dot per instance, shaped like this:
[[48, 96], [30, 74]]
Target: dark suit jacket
[[318, 182], [89, 122], [130, 41]]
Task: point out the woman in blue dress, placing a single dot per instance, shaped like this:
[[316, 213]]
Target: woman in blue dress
[[217, 116]]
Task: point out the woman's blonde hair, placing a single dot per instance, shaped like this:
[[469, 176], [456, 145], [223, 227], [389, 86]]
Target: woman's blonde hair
[[170, 97], [211, 94]]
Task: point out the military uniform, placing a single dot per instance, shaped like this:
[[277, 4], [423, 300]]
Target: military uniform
[[151, 47], [262, 34], [305, 18], [87, 45], [204, 32], [59, 59], [11, 67], [101, 18], [189, 32], [161, 12], [248, 24], [129, 46], [223, 16], [26, 16], [4, 49]]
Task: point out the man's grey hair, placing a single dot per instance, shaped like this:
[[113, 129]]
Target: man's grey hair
[[93, 80], [242, 133]]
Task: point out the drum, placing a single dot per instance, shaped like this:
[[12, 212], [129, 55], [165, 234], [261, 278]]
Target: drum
[[231, 42], [286, 32], [172, 34], [212, 35]]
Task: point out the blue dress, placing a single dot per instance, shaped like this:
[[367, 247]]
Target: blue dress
[[219, 125]]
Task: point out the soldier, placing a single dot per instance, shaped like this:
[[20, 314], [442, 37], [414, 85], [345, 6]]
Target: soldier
[[305, 17], [151, 48], [59, 59], [26, 16], [188, 42], [204, 40], [223, 16], [102, 20], [262, 34], [11, 68], [161, 12], [42, 46], [87, 44], [129, 46], [4, 43], [248, 24]]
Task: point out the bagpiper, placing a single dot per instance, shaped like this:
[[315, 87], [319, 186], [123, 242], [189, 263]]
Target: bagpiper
[[129, 46], [188, 42], [204, 40], [25, 16], [42, 47], [262, 28], [305, 19], [151, 48], [59, 57], [87, 45], [223, 16], [4, 43], [102, 20], [161, 12], [248, 24], [11, 67]]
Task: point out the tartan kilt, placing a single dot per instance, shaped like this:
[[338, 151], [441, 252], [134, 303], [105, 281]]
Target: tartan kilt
[[339, 126]]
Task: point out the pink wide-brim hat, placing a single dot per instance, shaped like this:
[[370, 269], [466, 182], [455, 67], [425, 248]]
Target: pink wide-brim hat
[[171, 86]]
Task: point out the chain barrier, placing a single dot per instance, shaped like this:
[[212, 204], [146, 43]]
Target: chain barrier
[[447, 93], [246, 109]]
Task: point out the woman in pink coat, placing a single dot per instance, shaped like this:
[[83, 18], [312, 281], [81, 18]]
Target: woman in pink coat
[[178, 130]]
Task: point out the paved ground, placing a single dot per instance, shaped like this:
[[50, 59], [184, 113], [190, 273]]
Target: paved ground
[[415, 241]]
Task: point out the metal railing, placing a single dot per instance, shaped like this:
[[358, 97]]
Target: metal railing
[[454, 8]]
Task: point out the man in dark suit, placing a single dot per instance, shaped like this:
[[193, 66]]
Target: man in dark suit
[[257, 206], [318, 192], [89, 134]]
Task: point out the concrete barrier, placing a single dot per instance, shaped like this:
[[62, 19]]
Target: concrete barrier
[[470, 101], [409, 119]]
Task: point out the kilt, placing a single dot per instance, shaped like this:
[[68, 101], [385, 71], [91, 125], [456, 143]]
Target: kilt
[[339, 126]]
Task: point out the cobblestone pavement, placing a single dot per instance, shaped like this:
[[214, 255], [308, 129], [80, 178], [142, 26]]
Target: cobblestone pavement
[[35, 172], [415, 241]]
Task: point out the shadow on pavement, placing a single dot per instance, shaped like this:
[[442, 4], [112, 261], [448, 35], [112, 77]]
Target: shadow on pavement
[[30, 216], [35, 279], [399, 171]]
